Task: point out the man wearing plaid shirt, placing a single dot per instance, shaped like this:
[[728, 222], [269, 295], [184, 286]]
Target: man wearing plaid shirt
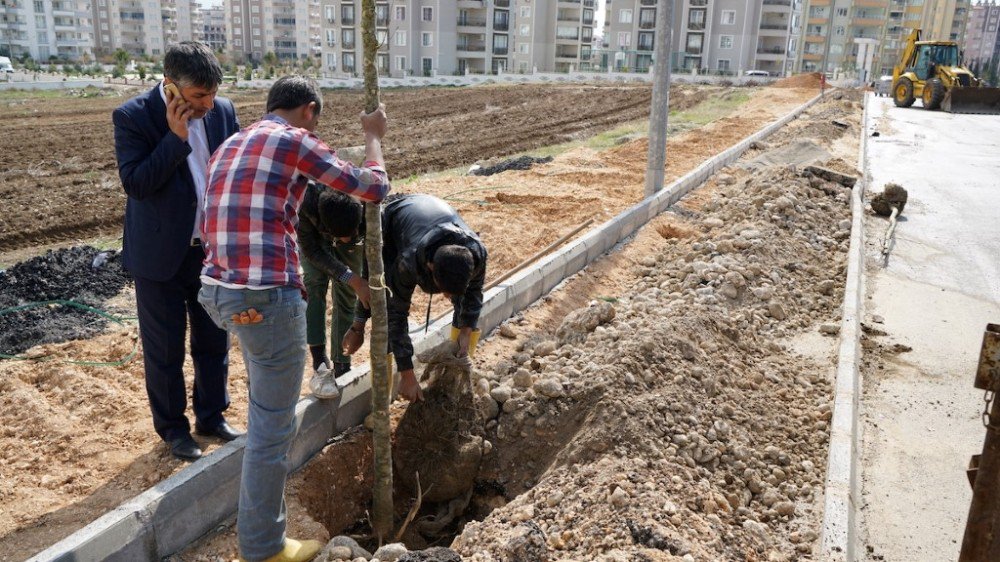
[[252, 283]]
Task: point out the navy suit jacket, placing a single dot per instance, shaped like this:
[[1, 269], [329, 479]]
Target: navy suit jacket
[[152, 164]]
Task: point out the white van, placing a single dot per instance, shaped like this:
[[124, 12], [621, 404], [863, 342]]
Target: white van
[[5, 65], [763, 73]]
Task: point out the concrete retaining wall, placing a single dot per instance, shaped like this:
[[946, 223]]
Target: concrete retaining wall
[[189, 504], [838, 536]]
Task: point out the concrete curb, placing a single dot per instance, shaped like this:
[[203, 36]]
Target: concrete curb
[[192, 502], [838, 534]]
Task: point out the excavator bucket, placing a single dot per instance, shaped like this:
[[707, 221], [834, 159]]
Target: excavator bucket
[[972, 100]]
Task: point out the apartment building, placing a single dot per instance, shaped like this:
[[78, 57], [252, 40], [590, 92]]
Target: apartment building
[[719, 36], [844, 36], [142, 27], [287, 28], [213, 27], [982, 37], [46, 28], [553, 36]]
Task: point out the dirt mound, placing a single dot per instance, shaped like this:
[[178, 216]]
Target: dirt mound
[[810, 80], [82, 274], [680, 426]]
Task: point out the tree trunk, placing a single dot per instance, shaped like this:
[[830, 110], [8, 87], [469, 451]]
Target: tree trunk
[[379, 341]]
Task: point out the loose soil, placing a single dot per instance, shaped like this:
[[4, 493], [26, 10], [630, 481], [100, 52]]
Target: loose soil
[[76, 439]]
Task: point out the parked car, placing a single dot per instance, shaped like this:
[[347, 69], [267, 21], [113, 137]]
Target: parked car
[[883, 87], [5, 65], [763, 73]]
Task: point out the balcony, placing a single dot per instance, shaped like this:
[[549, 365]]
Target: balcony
[[471, 46], [647, 2], [589, 3], [778, 3], [500, 50], [501, 26], [568, 37], [696, 25], [816, 38], [774, 26], [644, 46], [501, 3], [770, 50], [348, 22], [382, 22], [812, 56], [649, 24], [868, 22], [348, 45], [471, 22]]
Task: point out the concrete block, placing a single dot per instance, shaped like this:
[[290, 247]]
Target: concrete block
[[189, 506], [123, 534]]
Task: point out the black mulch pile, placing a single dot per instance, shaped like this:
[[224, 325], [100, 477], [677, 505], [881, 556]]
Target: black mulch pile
[[519, 163], [82, 274]]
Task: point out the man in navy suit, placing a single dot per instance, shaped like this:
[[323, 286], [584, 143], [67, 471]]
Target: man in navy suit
[[163, 141]]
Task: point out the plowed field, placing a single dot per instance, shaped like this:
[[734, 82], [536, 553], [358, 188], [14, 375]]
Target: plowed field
[[58, 177]]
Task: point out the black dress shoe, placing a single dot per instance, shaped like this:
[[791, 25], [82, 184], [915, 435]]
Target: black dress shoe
[[223, 431], [185, 448]]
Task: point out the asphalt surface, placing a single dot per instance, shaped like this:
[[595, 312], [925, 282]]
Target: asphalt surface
[[920, 414]]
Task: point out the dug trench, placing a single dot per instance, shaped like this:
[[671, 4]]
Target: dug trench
[[681, 414]]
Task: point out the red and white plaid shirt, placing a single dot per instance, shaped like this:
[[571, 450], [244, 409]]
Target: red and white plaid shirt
[[256, 181]]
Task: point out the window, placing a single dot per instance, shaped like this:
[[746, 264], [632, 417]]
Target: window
[[237, 42], [331, 61], [348, 62], [400, 38], [625, 16], [427, 39], [427, 13], [347, 16], [427, 66], [255, 9], [728, 17], [331, 37], [255, 20], [236, 7], [723, 64], [525, 11], [238, 20], [237, 31], [400, 63], [499, 44], [525, 30], [842, 12], [400, 16], [694, 42], [696, 19], [347, 35], [839, 30], [331, 14], [624, 39], [725, 41], [524, 48], [256, 43]]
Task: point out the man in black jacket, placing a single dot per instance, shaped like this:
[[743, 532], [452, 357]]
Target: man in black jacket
[[425, 243], [331, 239]]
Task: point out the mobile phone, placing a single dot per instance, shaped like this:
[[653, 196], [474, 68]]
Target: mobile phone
[[174, 91]]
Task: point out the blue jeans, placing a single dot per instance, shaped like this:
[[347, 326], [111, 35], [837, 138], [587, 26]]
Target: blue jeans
[[274, 352]]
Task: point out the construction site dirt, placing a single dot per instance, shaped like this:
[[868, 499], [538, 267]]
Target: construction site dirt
[[77, 439]]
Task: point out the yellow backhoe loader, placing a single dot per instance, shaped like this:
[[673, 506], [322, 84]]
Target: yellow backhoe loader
[[933, 72]]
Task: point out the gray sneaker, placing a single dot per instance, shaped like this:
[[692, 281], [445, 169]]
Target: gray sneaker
[[323, 383]]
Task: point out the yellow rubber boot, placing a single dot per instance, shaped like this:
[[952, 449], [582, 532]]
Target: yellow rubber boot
[[296, 551], [473, 339]]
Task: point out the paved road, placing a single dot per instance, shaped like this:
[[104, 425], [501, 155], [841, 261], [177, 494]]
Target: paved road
[[941, 286]]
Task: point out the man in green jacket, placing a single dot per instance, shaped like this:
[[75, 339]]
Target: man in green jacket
[[332, 242]]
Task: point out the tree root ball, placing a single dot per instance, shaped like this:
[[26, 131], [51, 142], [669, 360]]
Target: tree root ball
[[893, 196], [434, 437]]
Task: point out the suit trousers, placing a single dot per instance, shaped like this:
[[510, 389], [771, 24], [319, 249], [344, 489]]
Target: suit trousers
[[165, 311]]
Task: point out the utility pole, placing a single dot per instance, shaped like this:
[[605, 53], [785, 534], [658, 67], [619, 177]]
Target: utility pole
[[657, 157], [379, 342]]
